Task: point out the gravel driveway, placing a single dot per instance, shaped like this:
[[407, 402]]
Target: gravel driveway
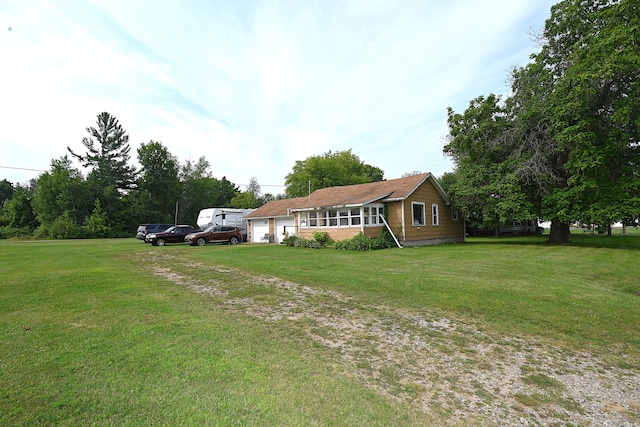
[[435, 363]]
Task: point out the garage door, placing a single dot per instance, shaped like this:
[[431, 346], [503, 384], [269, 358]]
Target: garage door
[[258, 229], [282, 225]]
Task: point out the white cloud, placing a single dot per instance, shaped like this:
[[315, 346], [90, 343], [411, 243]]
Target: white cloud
[[254, 86]]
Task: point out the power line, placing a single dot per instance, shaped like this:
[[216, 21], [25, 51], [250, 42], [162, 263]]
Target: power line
[[22, 169], [41, 170]]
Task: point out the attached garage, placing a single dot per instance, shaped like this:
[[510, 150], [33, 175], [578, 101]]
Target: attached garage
[[259, 228], [284, 225]]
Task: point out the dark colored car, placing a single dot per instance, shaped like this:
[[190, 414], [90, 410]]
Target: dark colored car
[[145, 229], [175, 234], [215, 234]]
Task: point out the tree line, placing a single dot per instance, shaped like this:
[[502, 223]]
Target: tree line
[[114, 198]]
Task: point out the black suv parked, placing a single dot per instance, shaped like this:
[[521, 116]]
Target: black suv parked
[[145, 229], [173, 234]]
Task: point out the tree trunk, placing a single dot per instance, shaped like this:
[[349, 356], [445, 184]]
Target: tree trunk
[[559, 232]]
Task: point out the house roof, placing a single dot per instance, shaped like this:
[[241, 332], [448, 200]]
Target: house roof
[[348, 195], [277, 208]]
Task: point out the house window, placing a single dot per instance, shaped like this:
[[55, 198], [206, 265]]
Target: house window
[[347, 217], [322, 219], [313, 219], [454, 215], [417, 210], [355, 216], [434, 214], [372, 215], [344, 217], [375, 215], [333, 218]]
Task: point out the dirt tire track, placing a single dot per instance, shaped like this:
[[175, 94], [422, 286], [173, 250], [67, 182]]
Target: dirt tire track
[[435, 363]]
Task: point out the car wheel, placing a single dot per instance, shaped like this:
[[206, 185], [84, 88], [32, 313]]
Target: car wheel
[[234, 240], [201, 241], [160, 242]]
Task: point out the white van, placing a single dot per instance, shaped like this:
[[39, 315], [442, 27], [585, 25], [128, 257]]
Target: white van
[[224, 216]]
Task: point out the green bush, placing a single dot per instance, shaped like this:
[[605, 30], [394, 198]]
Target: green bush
[[305, 243], [8, 232], [320, 240], [290, 240], [363, 243], [64, 227]]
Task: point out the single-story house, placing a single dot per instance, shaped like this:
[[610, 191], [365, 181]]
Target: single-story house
[[415, 209]]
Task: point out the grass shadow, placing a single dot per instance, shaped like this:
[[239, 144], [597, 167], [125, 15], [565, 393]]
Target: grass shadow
[[578, 240]]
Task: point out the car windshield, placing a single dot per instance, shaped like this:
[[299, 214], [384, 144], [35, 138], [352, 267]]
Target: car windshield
[[210, 228], [169, 229]]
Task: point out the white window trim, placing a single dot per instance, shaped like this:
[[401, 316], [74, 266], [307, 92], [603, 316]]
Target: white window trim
[[305, 221], [424, 215], [435, 215]]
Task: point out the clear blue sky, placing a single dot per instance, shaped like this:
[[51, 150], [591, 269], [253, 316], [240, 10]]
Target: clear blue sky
[[254, 85]]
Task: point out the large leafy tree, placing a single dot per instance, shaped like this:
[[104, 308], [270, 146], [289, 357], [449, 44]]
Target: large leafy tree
[[108, 158], [329, 170], [486, 187], [590, 74], [158, 187], [570, 135]]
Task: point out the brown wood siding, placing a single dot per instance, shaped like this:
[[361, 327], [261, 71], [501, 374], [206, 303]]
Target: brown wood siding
[[394, 218], [373, 231], [447, 228]]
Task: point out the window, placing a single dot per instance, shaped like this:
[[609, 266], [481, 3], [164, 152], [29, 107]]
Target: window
[[344, 217], [323, 218], [434, 214], [454, 215], [417, 210], [333, 218], [375, 215], [313, 219], [372, 215], [355, 216]]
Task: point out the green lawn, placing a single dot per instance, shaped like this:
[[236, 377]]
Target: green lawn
[[110, 343], [583, 295]]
